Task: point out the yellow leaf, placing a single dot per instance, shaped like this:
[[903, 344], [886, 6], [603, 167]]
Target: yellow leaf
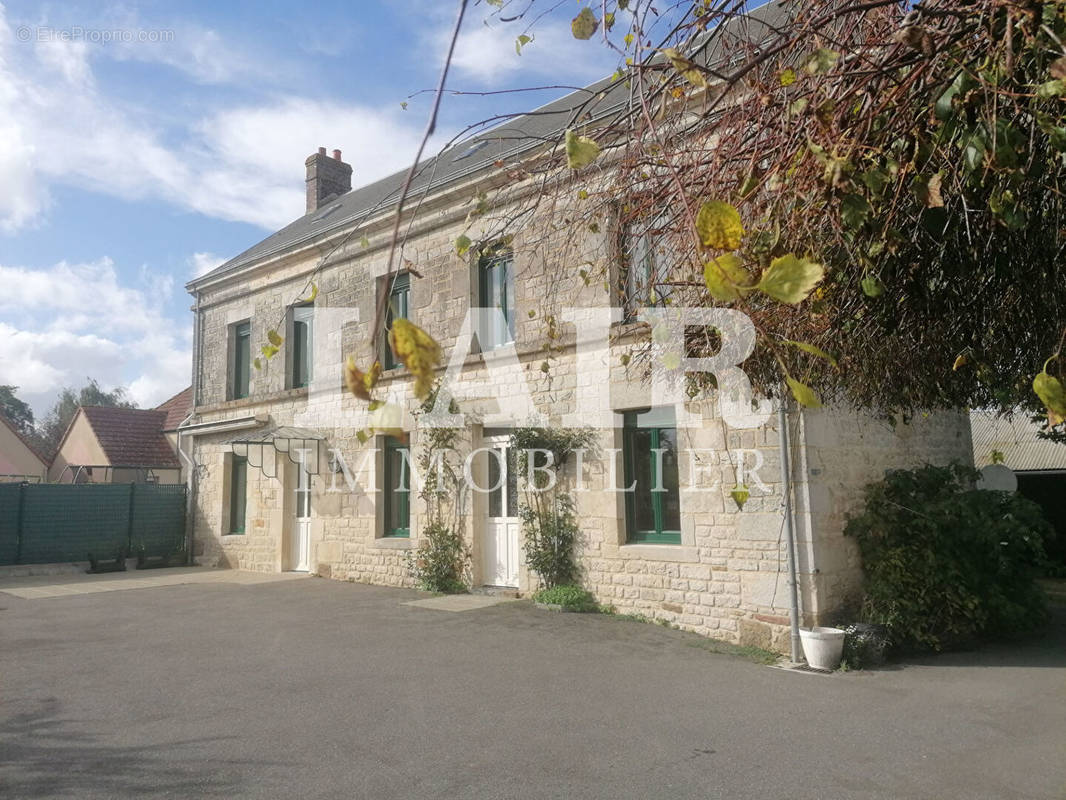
[[268, 351], [370, 379], [584, 25], [1051, 393], [790, 279], [274, 338], [418, 351], [726, 277], [310, 298], [462, 244], [355, 379], [740, 495], [804, 394], [257, 363], [718, 225], [960, 361], [685, 66], [814, 351], [788, 76], [580, 150], [672, 359]]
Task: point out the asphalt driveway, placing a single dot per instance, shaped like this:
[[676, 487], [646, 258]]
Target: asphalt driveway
[[315, 688]]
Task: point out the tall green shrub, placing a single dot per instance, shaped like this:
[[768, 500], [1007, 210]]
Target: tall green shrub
[[548, 519], [442, 561], [946, 563]]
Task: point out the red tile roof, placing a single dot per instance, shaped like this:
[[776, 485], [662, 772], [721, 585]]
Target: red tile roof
[[132, 437], [177, 408]]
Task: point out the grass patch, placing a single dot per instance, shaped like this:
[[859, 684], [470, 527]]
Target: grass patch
[[572, 598]]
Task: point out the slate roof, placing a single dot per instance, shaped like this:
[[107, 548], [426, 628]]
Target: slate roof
[[132, 437], [516, 138], [1016, 439], [177, 408]]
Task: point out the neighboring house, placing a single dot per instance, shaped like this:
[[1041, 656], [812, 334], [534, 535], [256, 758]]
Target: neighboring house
[[1038, 464], [267, 442], [104, 444], [20, 460]]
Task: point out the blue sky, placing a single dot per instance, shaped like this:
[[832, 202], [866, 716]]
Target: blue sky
[[127, 167]]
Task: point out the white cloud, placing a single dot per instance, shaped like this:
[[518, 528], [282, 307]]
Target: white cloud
[[485, 54], [203, 263], [242, 164], [75, 321]]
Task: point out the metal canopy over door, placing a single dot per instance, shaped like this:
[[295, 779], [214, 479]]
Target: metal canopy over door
[[500, 537], [300, 555]]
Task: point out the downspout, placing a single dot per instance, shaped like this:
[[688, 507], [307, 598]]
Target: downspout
[[190, 459], [790, 528]]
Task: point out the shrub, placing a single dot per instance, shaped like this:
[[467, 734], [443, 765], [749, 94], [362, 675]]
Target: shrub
[[440, 563], [946, 563], [572, 597], [550, 535]]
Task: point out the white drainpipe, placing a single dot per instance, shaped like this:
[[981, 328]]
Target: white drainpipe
[[790, 530]]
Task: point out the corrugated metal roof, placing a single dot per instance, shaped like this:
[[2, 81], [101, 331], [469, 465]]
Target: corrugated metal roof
[[1017, 440]]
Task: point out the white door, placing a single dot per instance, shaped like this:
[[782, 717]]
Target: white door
[[300, 557], [500, 543]]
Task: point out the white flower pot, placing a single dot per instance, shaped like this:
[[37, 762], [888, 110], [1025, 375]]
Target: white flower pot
[[822, 647]]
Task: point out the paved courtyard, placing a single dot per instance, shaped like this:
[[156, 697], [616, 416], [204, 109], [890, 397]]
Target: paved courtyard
[[238, 686]]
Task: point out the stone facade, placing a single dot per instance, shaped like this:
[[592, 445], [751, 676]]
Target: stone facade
[[727, 578]]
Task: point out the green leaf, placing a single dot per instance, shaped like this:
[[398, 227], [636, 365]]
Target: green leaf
[[584, 24], [582, 195], [804, 394], [685, 66], [274, 338], [788, 76], [268, 351], [718, 225], [790, 279], [1051, 392], [462, 244], [740, 495], [726, 277], [257, 363], [1053, 88], [365, 242], [944, 107], [871, 286], [580, 150], [854, 210], [821, 61], [521, 42], [814, 351], [363, 436]]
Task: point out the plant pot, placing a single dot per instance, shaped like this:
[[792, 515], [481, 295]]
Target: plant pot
[[822, 647]]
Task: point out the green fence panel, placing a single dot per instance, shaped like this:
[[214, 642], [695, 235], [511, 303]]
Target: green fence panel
[[67, 522], [9, 522], [158, 519]]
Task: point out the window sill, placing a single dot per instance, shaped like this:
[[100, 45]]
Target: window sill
[[232, 537], [393, 543], [659, 552]]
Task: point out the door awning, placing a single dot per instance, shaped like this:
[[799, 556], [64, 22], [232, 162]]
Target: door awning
[[301, 445]]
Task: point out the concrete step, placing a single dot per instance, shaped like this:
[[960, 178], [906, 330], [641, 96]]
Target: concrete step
[[496, 591]]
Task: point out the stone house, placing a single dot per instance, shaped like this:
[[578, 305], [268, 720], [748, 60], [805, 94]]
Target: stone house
[[283, 480]]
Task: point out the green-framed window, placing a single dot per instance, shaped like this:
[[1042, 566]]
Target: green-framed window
[[397, 489], [303, 318], [649, 451], [240, 380], [238, 493], [399, 308], [645, 264], [496, 291]]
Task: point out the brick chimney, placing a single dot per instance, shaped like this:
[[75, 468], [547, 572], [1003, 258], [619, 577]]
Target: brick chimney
[[327, 178]]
